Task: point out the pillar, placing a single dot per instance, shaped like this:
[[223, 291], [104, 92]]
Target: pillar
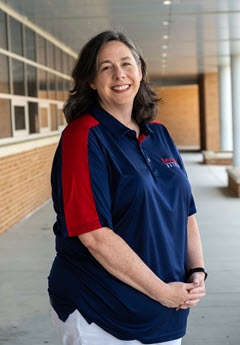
[[225, 108], [235, 76]]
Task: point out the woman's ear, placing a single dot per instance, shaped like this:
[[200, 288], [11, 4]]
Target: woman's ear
[[92, 85]]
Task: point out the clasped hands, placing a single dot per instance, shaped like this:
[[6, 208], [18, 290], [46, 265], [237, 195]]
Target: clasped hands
[[185, 295]]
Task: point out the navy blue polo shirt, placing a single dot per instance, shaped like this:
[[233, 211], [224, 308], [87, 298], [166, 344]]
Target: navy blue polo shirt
[[103, 176]]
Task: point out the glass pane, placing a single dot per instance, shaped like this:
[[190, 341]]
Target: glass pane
[[43, 117], [18, 77], [50, 55], [19, 116], [30, 44], [16, 36], [68, 63], [71, 64], [65, 63], [33, 117], [4, 75], [54, 124], [3, 30], [60, 117], [41, 50], [52, 85], [59, 88], [32, 81], [43, 89], [5, 118], [58, 59], [65, 89]]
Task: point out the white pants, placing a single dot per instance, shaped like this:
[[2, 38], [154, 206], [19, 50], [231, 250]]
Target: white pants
[[76, 331]]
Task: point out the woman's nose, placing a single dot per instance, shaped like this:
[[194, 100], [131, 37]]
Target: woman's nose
[[118, 72]]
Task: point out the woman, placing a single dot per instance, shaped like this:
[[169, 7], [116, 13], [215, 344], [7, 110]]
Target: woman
[[129, 261]]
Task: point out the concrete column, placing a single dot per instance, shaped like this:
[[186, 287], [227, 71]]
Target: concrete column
[[235, 76], [225, 108]]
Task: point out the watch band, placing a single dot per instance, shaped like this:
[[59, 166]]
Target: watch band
[[194, 270]]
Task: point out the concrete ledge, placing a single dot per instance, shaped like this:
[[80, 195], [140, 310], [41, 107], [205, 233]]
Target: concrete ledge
[[217, 157], [234, 180]]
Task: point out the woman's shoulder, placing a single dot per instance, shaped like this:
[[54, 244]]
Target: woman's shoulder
[[78, 129], [156, 125], [84, 120]]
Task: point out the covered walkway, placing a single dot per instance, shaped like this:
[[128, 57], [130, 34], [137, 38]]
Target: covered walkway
[[27, 251]]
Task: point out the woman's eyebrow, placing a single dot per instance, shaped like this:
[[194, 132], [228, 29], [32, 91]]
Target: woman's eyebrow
[[109, 61]]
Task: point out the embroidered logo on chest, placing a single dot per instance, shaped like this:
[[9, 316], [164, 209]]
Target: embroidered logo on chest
[[170, 162]]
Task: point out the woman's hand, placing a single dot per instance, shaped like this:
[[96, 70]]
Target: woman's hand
[[182, 295], [196, 292]]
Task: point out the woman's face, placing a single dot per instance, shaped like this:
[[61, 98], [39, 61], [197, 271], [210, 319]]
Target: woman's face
[[118, 77]]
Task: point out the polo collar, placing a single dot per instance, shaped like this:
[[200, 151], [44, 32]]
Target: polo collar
[[114, 126]]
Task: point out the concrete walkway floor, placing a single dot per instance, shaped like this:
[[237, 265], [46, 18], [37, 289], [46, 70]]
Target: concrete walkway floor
[[27, 251]]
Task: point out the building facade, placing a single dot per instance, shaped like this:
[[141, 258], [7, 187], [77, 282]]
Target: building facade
[[34, 82]]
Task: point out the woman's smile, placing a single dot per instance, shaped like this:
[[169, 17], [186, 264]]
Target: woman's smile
[[118, 77], [120, 88]]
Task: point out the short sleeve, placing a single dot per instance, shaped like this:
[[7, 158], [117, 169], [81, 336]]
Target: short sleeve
[[79, 161]]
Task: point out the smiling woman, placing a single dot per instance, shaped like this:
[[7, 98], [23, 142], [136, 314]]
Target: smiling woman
[[87, 69], [125, 231], [117, 80]]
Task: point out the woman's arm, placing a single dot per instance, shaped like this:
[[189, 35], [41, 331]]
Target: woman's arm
[[195, 259], [114, 254], [195, 253]]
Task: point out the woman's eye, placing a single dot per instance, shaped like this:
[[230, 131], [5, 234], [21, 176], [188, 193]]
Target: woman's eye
[[105, 68]]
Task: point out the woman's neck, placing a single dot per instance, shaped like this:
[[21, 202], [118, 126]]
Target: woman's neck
[[122, 113]]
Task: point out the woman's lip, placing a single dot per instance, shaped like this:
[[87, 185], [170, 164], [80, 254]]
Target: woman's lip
[[121, 87]]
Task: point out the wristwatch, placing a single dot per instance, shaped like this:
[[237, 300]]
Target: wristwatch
[[194, 270]]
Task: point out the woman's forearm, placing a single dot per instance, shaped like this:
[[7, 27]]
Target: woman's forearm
[[115, 255], [195, 253]]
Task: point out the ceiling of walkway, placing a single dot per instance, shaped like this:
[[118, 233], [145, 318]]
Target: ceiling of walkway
[[179, 39]]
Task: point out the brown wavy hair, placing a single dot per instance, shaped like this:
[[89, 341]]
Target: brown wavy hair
[[82, 96]]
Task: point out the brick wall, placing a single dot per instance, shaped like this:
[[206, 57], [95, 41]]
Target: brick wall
[[209, 112], [180, 114], [24, 183]]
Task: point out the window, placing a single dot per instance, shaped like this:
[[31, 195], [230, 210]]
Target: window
[[54, 117], [68, 64], [59, 88], [52, 85], [61, 120], [18, 77], [3, 30], [31, 81], [33, 117], [42, 82], [58, 59], [37, 73], [16, 36], [44, 119], [4, 75], [20, 123], [5, 118], [30, 44], [66, 87], [41, 50], [50, 55], [71, 64]]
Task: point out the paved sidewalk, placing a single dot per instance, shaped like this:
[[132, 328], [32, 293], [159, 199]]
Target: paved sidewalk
[[27, 250]]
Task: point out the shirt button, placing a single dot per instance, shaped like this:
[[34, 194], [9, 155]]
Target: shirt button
[[149, 160]]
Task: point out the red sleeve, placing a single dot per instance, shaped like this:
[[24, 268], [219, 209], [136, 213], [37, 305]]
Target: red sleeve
[[78, 202]]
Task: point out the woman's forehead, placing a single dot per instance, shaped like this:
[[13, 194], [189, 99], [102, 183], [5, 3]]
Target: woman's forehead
[[114, 50]]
